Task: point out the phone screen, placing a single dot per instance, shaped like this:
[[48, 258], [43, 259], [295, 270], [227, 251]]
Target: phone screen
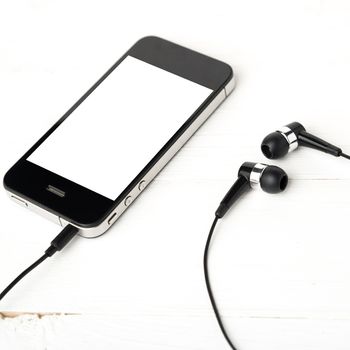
[[120, 127]]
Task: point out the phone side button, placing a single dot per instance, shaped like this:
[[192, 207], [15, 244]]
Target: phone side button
[[20, 201], [112, 218], [128, 200], [142, 185]]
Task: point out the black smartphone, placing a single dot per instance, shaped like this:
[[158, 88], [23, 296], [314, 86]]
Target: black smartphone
[[94, 161]]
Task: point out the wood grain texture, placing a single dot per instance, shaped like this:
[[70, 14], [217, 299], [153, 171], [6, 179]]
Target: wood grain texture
[[280, 264]]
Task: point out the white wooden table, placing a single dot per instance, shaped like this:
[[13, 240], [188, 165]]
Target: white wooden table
[[280, 264]]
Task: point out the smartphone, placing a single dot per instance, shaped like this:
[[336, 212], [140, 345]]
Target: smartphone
[[95, 161]]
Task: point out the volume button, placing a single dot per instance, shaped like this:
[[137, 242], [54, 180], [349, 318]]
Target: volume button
[[127, 200], [142, 185]]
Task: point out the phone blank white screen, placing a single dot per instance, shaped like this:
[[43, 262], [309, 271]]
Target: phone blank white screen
[[120, 127]]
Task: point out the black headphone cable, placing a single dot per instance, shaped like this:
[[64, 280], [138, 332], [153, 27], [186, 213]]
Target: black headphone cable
[[207, 282], [345, 155], [60, 241]]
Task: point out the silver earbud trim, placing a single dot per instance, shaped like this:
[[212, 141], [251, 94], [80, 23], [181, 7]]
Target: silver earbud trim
[[256, 173], [290, 136]]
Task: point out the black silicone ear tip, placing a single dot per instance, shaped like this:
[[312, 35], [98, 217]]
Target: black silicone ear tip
[[274, 146], [273, 179]]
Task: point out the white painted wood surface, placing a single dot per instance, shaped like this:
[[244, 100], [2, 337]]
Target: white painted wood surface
[[280, 265]]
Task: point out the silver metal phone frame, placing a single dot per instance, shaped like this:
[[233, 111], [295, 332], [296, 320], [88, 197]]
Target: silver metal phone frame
[[96, 231]]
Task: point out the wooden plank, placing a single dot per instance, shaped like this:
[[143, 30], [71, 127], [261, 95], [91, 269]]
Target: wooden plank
[[155, 332]]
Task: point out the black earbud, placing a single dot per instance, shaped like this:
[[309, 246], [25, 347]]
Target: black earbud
[[288, 138], [269, 178]]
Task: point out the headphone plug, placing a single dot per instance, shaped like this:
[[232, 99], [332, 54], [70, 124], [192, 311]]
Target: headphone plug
[[60, 241]]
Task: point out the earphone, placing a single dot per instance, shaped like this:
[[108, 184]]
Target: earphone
[[269, 178], [290, 137]]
